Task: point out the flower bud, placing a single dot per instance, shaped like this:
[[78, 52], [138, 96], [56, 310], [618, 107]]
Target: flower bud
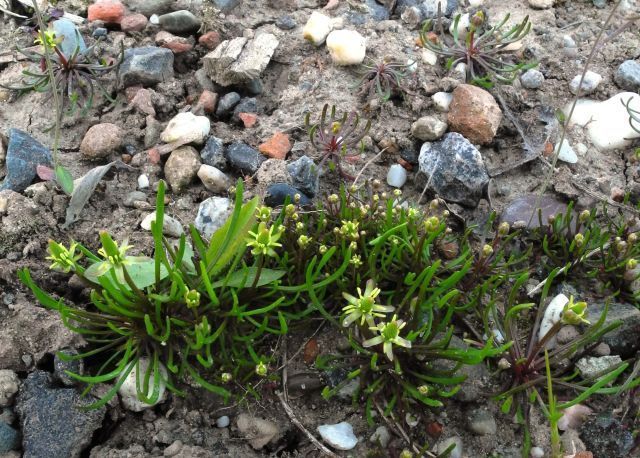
[[503, 229], [226, 377], [631, 264], [584, 216], [579, 240], [632, 238], [333, 198], [261, 369], [423, 390], [487, 251]]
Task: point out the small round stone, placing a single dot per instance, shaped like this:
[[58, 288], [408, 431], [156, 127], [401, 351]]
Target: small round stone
[[397, 176], [223, 422], [532, 79]]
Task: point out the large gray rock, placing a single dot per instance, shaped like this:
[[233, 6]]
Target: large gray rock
[[624, 339], [24, 155], [454, 169], [52, 423], [244, 158], [146, 66], [628, 75], [240, 60]]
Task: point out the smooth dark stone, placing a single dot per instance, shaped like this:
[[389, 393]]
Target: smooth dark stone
[[9, 438], [277, 194], [244, 158], [305, 175], [146, 66], [213, 153], [181, 21], [286, 22], [226, 103], [24, 154]]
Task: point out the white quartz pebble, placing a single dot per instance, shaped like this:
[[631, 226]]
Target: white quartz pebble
[[317, 28], [346, 47], [397, 176]]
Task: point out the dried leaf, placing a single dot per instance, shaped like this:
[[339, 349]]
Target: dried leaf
[[84, 188], [311, 350]]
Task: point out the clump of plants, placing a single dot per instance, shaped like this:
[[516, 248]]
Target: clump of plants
[[201, 311], [484, 50], [382, 79], [337, 138], [75, 76]]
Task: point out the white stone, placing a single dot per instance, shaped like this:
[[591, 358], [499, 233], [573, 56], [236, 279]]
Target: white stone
[[346, 47], [397, 176], [154, 19], [428, 128], [317, 28], [212, 214], [581, 149], [214, 179], [463, 26], [412, 420], [170, 226], [129, 392], [536, 452], [552, 314], [590, 83], [339, 436], [460, 70], [9, 385], [143, 181], [573, 417], [567, 154], [429, 57], [442, 101], [222, 422], [541, 4], [606, 123], [474, 3], [594, 367], [187, 128], [381, 436], [445, 444], [412, 65]]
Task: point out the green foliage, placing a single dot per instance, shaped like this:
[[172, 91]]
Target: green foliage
[[382, 79], [201, 312], [336, 136], [75, 76], [484, 50]]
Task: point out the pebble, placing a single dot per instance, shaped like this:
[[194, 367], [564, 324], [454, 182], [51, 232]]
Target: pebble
[[397, 176], [442, 101], [128, 390], [53, 420], [186, 127], [212, 214], [134, 196], [133, 23], [591, 367], [567, 334], [149, 7], [276, 147], [247, 105], [305, 174], [428, 128], [143, 181], [571, 443], [346, 47], [101, 140], [182, 168], [170, 225], [258, 431], [277, 194], [317, 28], [108, 11], [9, 385], [339, 436], [541, 4], [146, 66], [223, 422], [455, 169], [227, 103], [474, 113], [244, 158], [181, 21], [99, 32], [207, 102], [71, 36], [381, 437], [214, 179], [607, 122], [573, 417], [412, 16], [213, 153], [448, 442], [210, 40], [482, 423], [536, 452], [9, 438], [567, 154], [589, 85], [622, 340], [227, 5], [24, 154], [176, 44], [521, 209], [286, 22], [429, 57], [627, 76], [532, 79]]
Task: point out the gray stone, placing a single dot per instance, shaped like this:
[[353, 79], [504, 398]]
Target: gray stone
[[305, 175], [9, 386], [377, 11], [428, 128], [455, 169], [589, 84], [628, 75], [244, 158], [213, 153], [214, 179], [240, 60], [605, 436], [286, 22], [226, 103], [277, 194], [381, 437], [133, 197], [182, 21], [150, 7], [9, 438], [71, 37], [339, 436], [594, 367], [258, 431], [482, 422], [212, 214], [51, 421], [532, 79], [246, 105], [99, 32], [222, 422], [444, 445], [428, 8], [24, 155], [61, 367], [623, 340], [227, 5], [146, 66]]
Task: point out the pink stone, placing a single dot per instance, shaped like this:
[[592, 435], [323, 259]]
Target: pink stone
[[210, 40], [133, 23], [176, 44]]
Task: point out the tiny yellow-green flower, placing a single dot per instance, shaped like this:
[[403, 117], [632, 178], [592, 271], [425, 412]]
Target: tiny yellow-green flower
[[388, 336], [264, 240], [364, 307], [575, 312]]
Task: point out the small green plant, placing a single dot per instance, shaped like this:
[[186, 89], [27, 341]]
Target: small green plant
[[335, 137], [200, 315], [382, 78], [484, 50], [75, 76]]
